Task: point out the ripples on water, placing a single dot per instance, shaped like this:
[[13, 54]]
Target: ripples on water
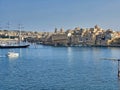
[[59, 68]]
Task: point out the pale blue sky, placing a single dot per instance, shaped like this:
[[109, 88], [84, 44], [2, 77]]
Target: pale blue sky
[[45, 15]]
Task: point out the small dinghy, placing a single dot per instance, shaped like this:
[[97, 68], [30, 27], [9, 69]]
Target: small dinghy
[[12, 54]]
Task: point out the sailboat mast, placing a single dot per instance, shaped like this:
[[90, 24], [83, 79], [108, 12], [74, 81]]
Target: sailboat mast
[[0, 27], [19, 28], [8, 27]]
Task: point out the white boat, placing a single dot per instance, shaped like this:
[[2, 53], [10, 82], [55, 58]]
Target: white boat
[[12, 54]]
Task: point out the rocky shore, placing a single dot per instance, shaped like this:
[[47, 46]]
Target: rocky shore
[[77, 37]]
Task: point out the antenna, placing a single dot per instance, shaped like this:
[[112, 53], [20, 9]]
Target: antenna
[[114, 59]]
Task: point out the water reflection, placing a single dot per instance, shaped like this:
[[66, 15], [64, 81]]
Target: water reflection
[[69, 55], [13, 58], [4, 69], [118, 83]]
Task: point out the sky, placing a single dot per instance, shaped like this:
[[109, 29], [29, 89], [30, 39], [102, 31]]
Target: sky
[[46, 15]]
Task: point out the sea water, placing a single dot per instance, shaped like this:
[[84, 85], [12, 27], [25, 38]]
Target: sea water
[[60, 68]]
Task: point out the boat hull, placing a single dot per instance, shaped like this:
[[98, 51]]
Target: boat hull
[[19, 46]]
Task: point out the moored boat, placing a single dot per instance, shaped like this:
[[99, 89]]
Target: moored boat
[[19, 44], [14, 46]]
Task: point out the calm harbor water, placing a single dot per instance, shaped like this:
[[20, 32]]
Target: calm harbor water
[[60, 68]]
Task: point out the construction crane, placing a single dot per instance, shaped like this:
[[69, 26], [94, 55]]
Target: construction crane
[[114, 59]]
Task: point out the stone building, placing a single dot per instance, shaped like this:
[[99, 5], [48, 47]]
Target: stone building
[[59, 39]]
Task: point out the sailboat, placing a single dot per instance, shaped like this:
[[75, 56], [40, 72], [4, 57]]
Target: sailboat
[[19, 45]]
